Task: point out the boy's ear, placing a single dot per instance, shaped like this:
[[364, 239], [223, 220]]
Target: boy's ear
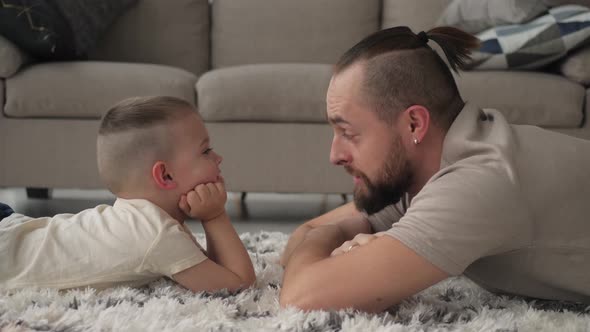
[[162, 177]]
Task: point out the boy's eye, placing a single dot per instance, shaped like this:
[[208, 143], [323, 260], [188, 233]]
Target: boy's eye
[[207, 151]]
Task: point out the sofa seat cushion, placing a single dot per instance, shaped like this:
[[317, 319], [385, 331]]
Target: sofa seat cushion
[[526, 97], [87, 89], [265, 93]]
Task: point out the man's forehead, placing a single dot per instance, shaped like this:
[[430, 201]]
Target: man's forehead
[[343, 94]]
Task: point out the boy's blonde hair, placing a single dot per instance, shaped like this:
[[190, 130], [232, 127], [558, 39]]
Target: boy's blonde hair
[[134, 134]]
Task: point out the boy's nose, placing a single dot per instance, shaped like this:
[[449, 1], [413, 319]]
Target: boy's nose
[[219, 158]]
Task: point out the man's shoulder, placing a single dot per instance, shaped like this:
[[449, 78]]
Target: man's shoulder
[[466, 187]]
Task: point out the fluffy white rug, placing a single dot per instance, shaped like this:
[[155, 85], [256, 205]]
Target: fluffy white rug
[[453, 305]]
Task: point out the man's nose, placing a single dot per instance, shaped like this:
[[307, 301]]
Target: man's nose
[[338, 154]]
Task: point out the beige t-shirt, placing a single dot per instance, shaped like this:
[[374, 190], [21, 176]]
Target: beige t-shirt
[[130, 243], [509, 208]]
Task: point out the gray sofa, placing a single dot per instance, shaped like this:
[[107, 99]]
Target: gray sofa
[[260, 69]]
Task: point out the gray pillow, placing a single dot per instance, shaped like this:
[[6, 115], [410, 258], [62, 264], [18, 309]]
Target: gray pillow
[[11, 58], [89, 19], [475, 16], [576, 66]]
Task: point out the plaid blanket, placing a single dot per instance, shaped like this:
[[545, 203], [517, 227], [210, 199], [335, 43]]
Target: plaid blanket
[[536, 43]]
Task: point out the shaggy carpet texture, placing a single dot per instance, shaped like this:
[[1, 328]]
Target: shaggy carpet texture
[[453, 305]]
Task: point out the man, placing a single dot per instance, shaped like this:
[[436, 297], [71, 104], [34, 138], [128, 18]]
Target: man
[[441, 188]]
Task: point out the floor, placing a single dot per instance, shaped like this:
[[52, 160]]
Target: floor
[[269, 212]]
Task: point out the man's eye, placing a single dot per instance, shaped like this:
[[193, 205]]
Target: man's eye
[[346, 135]]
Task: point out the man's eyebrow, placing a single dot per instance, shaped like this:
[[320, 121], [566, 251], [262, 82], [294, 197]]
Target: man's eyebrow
[[205, 141], [337, 120]]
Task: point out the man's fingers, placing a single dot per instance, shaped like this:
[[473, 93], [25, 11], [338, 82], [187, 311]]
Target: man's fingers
[[337, 251], [363, 239]]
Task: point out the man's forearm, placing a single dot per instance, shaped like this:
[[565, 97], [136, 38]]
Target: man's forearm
[[318, 244], [294, 241]]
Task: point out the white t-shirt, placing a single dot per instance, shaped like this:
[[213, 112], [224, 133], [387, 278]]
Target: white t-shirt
[[509, 208], [130, 243]]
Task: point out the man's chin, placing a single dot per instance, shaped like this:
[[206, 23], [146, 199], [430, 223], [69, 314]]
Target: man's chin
[[371, 204]]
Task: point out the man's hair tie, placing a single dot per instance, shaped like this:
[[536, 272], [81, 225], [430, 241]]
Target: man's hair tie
[[423, 36]]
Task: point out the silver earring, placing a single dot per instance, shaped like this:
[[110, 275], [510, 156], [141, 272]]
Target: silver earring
[[416, 141]]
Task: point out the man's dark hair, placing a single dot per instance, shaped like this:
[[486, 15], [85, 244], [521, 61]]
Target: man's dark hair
[[401, 70]]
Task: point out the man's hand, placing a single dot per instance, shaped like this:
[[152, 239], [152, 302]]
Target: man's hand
[[357, 241], [347, 216], [206, 202]]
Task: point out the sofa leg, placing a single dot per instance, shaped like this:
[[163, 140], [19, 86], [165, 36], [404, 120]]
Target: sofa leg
[[243, 208], [38, 193], [344, 198]]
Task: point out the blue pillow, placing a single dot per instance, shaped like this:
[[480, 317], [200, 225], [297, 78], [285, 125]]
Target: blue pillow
[[534, 44]]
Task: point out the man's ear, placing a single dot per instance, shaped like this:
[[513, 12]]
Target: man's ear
[[162, 177], [418, 122]]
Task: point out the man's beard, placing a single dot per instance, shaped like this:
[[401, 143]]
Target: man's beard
[[393, 181]]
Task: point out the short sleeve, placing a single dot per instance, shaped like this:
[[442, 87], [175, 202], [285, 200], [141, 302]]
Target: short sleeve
[[173, 251], [389, 215], [463, 215]]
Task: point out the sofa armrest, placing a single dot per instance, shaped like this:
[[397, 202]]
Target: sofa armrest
[[11, 58]]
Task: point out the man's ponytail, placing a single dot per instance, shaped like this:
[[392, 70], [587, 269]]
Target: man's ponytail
[[456, 44]]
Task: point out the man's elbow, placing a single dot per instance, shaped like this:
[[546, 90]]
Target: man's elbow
[[301, 300]]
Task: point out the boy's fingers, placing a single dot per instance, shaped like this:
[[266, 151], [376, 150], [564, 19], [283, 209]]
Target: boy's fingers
[[203, 191], [183, 204], [212, 188], [193, 198], [220, 186]]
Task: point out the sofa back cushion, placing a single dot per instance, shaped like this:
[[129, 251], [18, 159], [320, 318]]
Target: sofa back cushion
[[275, 31], [416, 14], [167, 32]]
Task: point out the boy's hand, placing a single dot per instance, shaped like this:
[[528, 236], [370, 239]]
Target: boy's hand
[[205, 202]]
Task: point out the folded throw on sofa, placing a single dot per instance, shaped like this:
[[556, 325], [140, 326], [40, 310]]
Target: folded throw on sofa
[[536, 43]]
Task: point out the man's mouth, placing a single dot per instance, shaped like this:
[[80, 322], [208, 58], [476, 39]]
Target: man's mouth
[[356, 179]]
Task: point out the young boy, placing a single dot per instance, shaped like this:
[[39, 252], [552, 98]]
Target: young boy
[[154, 154]]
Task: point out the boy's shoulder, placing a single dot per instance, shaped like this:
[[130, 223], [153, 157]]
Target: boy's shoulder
[[142, 210]]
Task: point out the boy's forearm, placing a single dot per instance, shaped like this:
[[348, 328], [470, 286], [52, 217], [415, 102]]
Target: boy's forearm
[[226, 249]]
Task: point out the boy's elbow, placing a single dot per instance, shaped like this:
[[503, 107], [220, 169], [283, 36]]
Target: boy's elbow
[[249, 281], [243, 283]]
